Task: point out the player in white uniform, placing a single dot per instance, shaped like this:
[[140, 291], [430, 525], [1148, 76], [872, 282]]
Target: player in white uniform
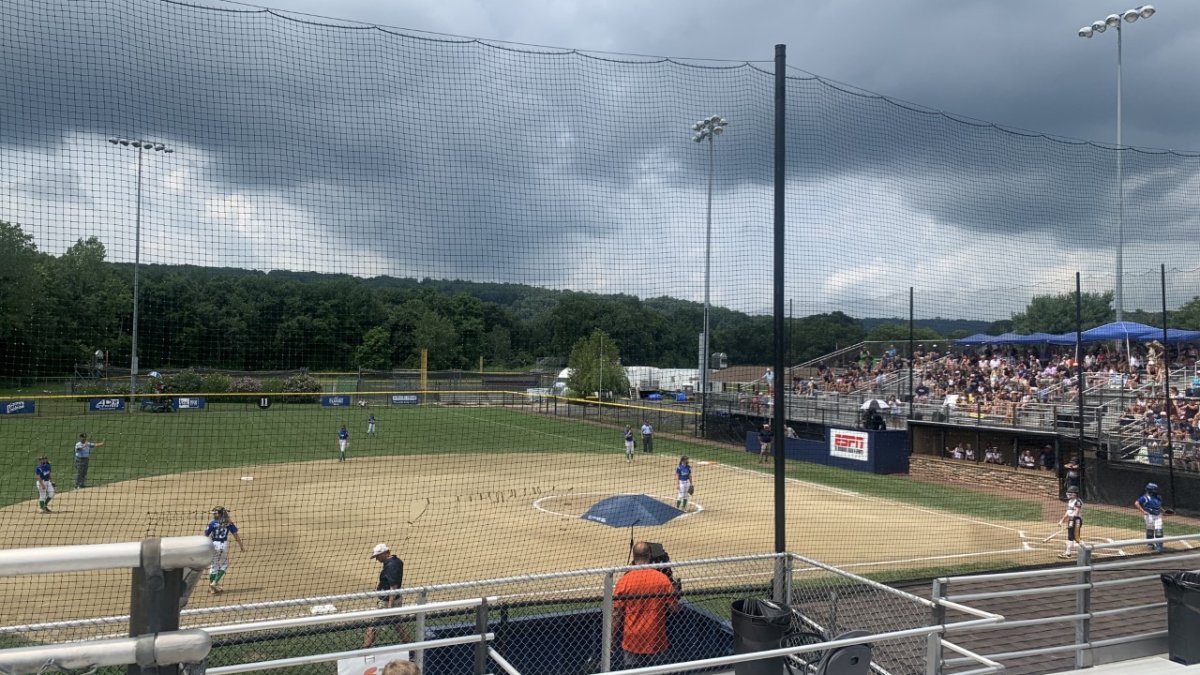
[[219, 529], [1073, 519]]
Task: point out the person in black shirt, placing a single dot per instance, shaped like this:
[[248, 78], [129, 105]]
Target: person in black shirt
[[391, 577]]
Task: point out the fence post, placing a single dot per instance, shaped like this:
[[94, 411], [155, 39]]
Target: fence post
[[481, 647], [419, 629], [153, 605], [933, 643], [1083, 605], [606, 623]]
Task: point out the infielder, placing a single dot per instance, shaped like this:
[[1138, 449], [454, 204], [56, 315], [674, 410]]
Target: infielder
[[343, 443], [683, 475], [1073, 519], [371, 424], [45, 486], [219, 529], [1151, 506], [629, 443]]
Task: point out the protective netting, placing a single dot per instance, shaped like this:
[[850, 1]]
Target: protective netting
[[318, 224]]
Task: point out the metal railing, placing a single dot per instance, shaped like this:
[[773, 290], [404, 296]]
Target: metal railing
[[1085, 584]]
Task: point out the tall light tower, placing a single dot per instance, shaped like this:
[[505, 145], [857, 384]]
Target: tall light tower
[[1114, 21], [140, 146], [707, 130]]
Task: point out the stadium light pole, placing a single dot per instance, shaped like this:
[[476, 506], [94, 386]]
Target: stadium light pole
[[1114, 21], [707, 130], [141, 147]]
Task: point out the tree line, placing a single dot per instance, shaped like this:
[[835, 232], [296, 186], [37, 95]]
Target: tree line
[[57, 311]]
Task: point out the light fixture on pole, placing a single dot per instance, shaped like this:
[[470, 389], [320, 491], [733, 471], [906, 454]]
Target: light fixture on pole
[[707, 130], [140, 146], [1114, 21]]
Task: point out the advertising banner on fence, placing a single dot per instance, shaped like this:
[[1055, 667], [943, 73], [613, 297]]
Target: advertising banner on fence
[[849, 444], [25, 407], [339, 401], [190, 403], [106, 404], [405, 399]]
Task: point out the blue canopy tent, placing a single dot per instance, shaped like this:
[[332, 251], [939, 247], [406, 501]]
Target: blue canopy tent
[[1131, 331], [976, 339]]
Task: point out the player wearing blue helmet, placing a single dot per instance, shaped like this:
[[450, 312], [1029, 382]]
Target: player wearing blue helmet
[[343, 443], [45, 486], [1151, 507]]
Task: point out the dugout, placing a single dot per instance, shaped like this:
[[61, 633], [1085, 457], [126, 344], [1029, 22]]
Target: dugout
[[569, 642], [1120, 483]]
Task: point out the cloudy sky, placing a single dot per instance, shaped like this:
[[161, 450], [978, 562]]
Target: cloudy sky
[[961, 148]]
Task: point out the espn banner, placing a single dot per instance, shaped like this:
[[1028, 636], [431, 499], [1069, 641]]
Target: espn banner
[[849, 444]]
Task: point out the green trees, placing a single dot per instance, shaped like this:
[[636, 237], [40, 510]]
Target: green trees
[[595, 364], [1056, 313]]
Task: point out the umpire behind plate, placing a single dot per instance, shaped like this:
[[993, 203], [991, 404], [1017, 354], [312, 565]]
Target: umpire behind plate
[[391, 576]]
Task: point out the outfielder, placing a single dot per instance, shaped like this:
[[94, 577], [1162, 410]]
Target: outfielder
[[45, 486], [1151, 506], [1073, 519], [629, 443], [371, 424], [219, 529], [343, 443], [683, 474]]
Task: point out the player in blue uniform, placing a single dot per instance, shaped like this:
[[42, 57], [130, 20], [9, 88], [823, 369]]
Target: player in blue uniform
[[45, 486], [343, 443], [629, 443], [371, 424], [1151, 506], [683, 474], [219, 530]]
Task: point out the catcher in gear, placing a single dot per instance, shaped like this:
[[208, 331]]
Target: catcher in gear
[[219, 529]]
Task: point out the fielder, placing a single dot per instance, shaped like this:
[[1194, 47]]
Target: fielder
[[629, 443], [45, 486], [371, 424], [1073, 519], [219, 529], [343, 443], [1151, 506], [683, 475]]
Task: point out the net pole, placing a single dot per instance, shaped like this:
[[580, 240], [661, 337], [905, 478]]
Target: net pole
[[780, 203]]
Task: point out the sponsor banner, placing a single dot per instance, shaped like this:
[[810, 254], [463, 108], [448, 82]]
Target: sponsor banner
[[106, 404], [337, 401], [25, 407], [189, 402], [848, 444], [405, 399], [369, 665]]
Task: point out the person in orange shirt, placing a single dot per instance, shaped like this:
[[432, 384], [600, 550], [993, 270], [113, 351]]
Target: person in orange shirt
[[642, 601]]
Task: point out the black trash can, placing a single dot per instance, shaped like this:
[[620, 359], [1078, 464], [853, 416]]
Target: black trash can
[[759, 625], [1183, 616]]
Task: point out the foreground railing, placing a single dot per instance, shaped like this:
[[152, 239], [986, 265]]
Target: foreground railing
[[1085, 595]]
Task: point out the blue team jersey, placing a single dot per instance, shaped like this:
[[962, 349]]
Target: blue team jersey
[[684, 472], [629, 434], [343, 435], [1151, 504], [42, 471], [218, 531]]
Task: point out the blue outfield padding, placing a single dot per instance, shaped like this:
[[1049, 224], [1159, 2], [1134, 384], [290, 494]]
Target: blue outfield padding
[[881, 452], [568, 643]]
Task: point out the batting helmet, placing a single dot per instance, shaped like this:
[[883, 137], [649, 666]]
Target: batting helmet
[[1151, 487], [1073, 490]]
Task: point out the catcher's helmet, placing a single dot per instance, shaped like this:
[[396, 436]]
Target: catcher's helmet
[[1073, 490], [1151, 487]]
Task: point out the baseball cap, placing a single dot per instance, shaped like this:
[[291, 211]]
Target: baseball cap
[[379, 549]]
